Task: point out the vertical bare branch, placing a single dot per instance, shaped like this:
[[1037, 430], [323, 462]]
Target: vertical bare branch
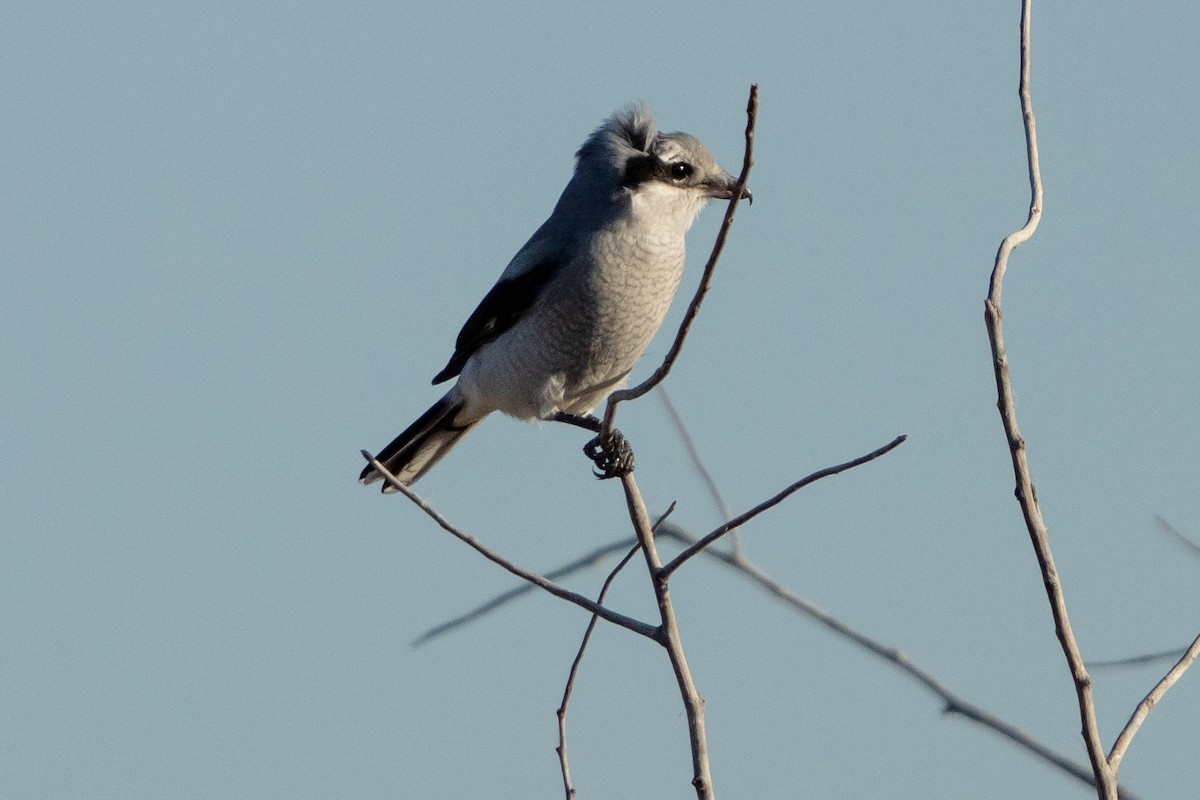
[[1105, 776], [668, 637]]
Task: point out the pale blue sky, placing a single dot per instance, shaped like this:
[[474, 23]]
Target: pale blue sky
[[240, 238]]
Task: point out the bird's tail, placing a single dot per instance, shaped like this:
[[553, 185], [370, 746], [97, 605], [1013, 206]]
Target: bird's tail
[[422, 444]]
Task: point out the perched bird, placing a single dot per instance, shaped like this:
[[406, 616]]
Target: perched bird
[[579, 303]]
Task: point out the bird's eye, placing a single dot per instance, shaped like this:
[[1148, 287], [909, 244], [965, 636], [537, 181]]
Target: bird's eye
[[681, 171]]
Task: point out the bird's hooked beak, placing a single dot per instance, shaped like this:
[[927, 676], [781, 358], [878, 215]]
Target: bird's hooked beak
[[724, 187]]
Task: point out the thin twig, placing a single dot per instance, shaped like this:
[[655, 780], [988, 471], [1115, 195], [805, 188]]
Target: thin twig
[[1138, 661], [668, 637], [1106, 780], [587, 636], [1139, 714], [587, 560], [1022, 235], [693, 308], [689, 444], [635, 625], [742, 519], [562, 708], [1174, 533]]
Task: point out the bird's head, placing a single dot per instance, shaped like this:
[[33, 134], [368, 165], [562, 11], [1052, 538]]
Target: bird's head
[[671, 168]]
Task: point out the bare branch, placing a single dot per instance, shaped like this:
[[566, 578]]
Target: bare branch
[[693, 308], [742, 519], [1019, 237], [689, 444], [1106, 780], [587, 636], [1137, 661], [583, 562], [635, 625], [1174, 533], [1144, 707], [693, 704]]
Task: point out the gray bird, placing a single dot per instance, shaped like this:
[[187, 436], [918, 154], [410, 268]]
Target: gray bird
[[579, 303]]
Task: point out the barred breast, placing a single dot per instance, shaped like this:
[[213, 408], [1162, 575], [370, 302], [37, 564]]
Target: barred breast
[[584, 335]]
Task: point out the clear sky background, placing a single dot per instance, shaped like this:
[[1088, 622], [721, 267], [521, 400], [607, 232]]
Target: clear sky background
[[238, 240]]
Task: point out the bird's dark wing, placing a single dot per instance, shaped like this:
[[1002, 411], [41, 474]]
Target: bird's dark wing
[[508, 301]]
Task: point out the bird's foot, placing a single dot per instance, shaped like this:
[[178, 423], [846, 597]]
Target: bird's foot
[[613, 457]]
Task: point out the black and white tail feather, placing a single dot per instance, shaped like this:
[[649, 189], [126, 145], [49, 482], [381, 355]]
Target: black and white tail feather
[[422, 444]]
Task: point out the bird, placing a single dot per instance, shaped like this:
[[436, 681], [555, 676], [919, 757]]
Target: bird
[[579, 303]]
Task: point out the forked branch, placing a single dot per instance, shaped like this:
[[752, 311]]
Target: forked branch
[[745, 517]]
